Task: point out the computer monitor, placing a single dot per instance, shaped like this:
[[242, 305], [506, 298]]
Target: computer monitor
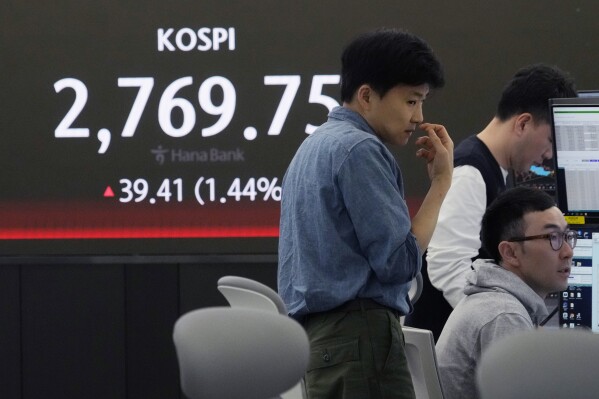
[[579, 303], [543, 176], [575, 128], [588, 93]]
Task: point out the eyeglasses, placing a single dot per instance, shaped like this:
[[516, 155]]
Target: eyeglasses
[[556, 239]]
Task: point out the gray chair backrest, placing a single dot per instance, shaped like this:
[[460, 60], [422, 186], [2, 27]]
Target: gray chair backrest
[[247, 293], [422, 361], [236, 353], [416, 288], [541, 364]]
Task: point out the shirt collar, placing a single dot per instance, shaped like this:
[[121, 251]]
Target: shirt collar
[[346, 114]]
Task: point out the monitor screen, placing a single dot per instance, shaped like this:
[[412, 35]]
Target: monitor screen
[[154, 128], [579, 304], [575, 125], [543, 176]]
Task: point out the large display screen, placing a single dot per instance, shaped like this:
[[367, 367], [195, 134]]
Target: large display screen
[[151, 120], [154, 127]]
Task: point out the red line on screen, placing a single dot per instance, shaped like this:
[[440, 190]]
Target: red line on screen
[[61, 233]]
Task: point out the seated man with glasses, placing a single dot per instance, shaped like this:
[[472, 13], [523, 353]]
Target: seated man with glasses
[[532, 248]]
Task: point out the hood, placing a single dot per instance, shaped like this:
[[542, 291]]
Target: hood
[[490, 277]]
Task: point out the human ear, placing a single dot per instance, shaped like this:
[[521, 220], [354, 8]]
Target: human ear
[[522, 120], [364, 96], [508, 253]]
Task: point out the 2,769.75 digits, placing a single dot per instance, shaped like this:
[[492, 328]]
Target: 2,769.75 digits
[[169, 101]]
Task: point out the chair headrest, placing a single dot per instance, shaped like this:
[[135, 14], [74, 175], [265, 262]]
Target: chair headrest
[[253, 285], [541, 364], [239, 353]]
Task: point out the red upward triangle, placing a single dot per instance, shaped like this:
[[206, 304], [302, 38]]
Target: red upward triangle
[[108, 192]]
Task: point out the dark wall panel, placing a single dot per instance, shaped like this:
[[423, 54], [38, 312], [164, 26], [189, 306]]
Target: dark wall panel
[[73, 331], [10, 340], [98, 329], [152, 307]]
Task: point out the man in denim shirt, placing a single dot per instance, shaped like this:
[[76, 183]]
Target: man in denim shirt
[[348, 249]]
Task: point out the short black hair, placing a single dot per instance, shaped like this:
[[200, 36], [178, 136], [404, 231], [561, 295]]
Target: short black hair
[[503, 219], [385, 58], [530, 90]]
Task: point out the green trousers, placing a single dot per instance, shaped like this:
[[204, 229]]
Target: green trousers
[[357, 354]]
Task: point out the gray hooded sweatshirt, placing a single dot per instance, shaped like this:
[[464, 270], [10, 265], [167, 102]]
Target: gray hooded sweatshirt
[[497, 303]]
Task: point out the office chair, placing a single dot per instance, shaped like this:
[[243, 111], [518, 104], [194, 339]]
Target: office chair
[[414, 292], [422, 361], [541, 364], [416, 288], [421, 354], [235, 353], [246, 293]]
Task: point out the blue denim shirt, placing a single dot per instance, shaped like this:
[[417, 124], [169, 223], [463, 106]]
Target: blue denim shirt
[[345, 226]]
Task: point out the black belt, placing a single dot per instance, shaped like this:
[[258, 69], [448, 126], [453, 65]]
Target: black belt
[[353, 305]]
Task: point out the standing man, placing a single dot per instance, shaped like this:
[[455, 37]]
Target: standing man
[[348, 250], [531, 252], [518, 137]]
